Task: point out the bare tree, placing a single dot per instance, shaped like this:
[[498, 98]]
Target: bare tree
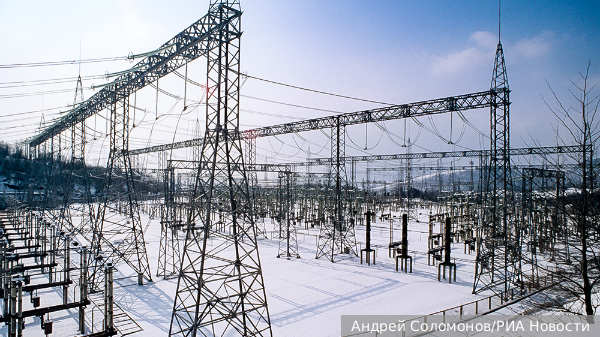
[[575, 262]]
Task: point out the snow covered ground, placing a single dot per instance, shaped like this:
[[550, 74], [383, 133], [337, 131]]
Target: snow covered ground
[[306, 296]]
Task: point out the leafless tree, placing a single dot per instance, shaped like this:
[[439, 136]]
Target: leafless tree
[[575, 263]]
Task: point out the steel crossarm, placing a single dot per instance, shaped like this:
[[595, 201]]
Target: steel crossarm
[[452, 154], [436, 106], [186, 46]]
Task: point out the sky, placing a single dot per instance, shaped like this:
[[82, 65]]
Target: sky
[[388, 51]]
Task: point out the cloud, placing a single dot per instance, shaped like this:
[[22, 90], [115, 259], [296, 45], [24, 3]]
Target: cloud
[[485, 39], [482, 50], [457, 62], [535, 47]]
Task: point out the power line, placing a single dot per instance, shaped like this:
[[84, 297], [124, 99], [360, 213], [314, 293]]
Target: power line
[[271, 114], [315, 91], [19, 126], [19, 84], [292, 105], [27, 94], [61, 63], [30, 112]]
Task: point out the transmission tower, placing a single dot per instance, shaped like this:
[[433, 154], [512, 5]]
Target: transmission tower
[[76, 210], [288, 242], [497, 266], [337, 237], [169, 256], [220, 289], [250, 141], [118, 235], [408, 176]]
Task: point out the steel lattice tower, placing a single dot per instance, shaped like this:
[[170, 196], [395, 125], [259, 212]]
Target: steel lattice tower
[[337, 236], [171, 222], [76, 211], [497, 265], [408, 176], [119, 237], [78, 168], [250, 141], [288, 243], [220, 289]]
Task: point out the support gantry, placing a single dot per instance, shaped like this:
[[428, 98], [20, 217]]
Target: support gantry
[[77, 211], [220, 290], [498, 236], [250, 148], [337, 233], [172, 222], [117, 229], [288, 242]]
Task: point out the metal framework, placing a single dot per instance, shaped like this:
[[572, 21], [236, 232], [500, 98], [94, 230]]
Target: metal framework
[[436, 106], [186, 46], [542, 223], [253, 182], [452, 154], [288, 242], [118, 234], [220, 289], [73, 205], [337, 236], [172, 221], [498, 250]]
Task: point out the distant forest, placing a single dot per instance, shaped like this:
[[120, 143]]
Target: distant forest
[[38, 177]]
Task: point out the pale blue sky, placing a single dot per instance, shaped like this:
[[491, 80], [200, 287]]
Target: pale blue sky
[[390, 51]]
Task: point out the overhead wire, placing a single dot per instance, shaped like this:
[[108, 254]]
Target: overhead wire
[[37, 93], [389, 134], [292, 105], [312, 90], [29, 112], [287, 155], [376, 144], [61, 63], [462, 116], [271, 114], [382, 127], [18, 84], [313, 143]]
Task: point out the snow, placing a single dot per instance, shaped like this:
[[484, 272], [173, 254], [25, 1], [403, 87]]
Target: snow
[[306, 296]]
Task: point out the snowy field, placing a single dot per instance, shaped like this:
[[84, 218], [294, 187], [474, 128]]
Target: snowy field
[[306, 296]]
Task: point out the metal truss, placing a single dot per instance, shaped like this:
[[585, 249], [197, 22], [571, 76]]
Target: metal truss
[[117, 231], [186, 46], [288, 243], [80, 206], [436, 106], [408, 176], [75, 212], [253, 183], [337, 235], [172, 221], [498, 235], [526, 151], [220, 290], [431, 107], [542, 222], [191, 164], [452, 154], [110, 238]]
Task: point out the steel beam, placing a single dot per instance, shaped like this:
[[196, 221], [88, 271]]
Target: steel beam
[[186, 46], [436, 106]]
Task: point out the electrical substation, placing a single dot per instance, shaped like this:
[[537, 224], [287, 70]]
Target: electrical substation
[[204, 233]]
